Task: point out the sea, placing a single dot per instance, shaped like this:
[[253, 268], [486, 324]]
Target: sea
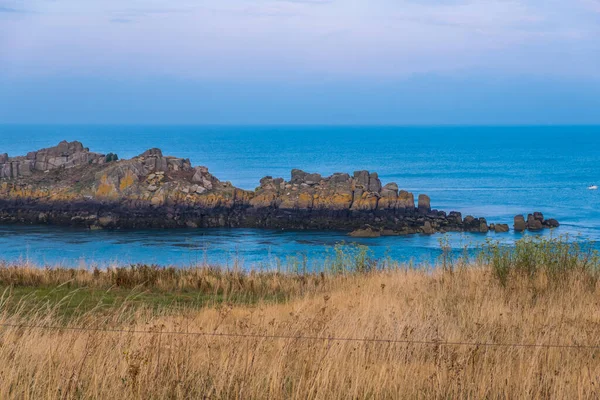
[[486, 171]]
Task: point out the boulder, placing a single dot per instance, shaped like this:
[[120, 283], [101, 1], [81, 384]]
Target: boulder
[[298, 176], [312, 179], [424, 204], [501, 228], [538, 216], [519, 223], [428, 228], [374, 183], [339, 178], [455, 216], [483, 226], [366, 232], [203, 178], [471, 224], [389, 197], [153, 152], [107, 221], [406, 201], [534, 224], [390, 187], [551, 223], [266, 183], [361, 179]]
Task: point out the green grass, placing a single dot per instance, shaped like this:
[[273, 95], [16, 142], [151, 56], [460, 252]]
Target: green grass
[[69, 302], [557, 259], [74, 292]]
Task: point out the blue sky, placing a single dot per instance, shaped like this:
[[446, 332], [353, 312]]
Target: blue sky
[[300, 61]]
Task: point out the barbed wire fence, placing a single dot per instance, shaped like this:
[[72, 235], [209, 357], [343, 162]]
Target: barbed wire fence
[[308, 338]]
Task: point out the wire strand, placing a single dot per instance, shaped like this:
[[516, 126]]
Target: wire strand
[[312, 338]]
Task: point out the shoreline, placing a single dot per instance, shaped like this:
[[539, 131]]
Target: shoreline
[[68, 185]]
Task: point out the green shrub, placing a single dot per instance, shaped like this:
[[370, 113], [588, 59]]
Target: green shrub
[[111, 157], [557, 258], [351, 258]]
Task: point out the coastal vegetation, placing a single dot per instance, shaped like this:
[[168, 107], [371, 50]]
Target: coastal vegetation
[[505, 323]]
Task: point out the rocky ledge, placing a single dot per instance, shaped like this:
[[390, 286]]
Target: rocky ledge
[[69, 185]]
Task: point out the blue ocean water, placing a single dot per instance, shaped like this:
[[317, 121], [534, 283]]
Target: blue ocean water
[[495, 172]]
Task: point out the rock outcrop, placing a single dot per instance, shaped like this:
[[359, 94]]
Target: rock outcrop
[[64, 155], [69, 185], [534, 222]]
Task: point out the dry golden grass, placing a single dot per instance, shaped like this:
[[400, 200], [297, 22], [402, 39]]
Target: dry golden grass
[[467, 305]]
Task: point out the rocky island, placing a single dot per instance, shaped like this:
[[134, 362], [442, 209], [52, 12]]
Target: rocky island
[[71, 186]]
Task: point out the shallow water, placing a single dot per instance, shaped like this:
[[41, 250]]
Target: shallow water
[[246, 248], [495, 172]]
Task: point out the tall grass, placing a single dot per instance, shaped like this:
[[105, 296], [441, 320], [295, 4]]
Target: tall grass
[[474, 303], [557, 259]]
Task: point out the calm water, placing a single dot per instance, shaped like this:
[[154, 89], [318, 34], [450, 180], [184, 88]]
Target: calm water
[[494, 172]]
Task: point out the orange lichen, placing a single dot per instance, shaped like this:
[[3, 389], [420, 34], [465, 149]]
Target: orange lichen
[[305, 200], [127, 181], [105, 188]]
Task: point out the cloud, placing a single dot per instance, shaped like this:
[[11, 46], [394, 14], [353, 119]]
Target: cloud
[[307, 1], [11, 10], [258, 11], [121, 20], [125, 13]]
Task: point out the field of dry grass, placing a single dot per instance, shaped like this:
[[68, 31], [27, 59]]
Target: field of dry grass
[[467, 305], [284, 342]]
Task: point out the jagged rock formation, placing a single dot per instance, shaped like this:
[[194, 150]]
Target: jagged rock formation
[[69, 185], [65, 155]]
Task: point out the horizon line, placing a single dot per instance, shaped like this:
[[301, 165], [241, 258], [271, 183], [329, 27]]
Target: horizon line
[[300, 125]]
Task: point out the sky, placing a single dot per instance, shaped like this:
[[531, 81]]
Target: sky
[[300, 61]]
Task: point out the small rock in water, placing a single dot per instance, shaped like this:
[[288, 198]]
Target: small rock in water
[[520, 225], [367, 232], [501, 228]]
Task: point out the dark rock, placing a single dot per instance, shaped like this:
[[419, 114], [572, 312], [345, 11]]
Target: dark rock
[[339, 178], [374, 183], [366, 232], [361, 179], [534, 224], [501, 228], [424, 204], [551, 223], [298, 176], [312, 179], [538, 216], [519, 223], [483, 226], [428, 228], [265, 182], [455, 216], [471, 224], [154, 152]]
